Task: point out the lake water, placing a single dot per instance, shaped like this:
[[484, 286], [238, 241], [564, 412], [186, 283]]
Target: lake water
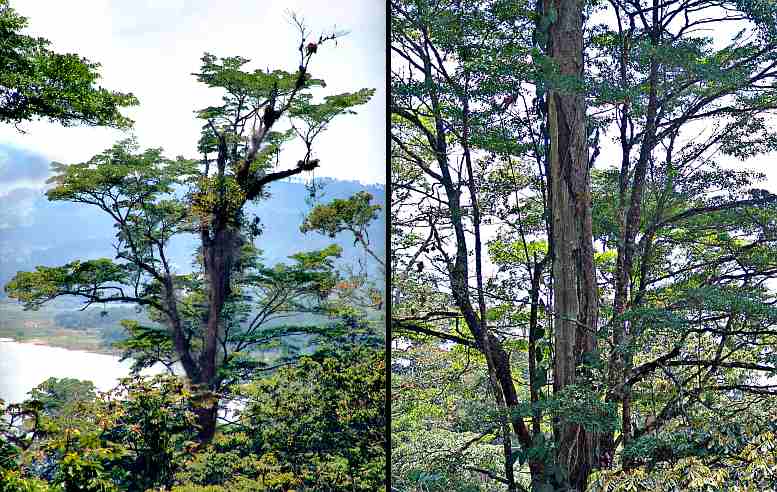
[[24, 366]]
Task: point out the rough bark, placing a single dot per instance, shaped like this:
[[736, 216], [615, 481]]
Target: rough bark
[[574, 276]]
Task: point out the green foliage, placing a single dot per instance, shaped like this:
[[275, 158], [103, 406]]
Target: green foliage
[[46, 283], [155, 423], [82, 474], [121, 176], [314, 118], [243, 89], [735, 462], [319, 424], [132, 438], [36, 82], [279, 482], [12, 481], [441, 431], [578, 404], [353, 214], [144, 345], [59, 396], [339, 441], [316, 425]]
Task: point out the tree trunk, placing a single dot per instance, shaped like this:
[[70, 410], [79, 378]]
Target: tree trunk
[[206, 413], [630, 219], [220, 254], [574, 275]]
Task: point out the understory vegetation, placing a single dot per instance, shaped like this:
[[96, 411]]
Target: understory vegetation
[[316, 425]]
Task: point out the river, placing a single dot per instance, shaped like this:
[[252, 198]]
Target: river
[[25, 365]]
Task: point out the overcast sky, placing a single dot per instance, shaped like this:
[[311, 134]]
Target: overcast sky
[[151, 48]]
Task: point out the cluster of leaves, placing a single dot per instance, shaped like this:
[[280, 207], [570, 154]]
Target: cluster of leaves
[[353, 214], [36, 82], [444, 436], [317, 425], [738, 456]]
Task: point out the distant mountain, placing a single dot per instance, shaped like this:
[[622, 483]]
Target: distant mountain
[[34, 231]]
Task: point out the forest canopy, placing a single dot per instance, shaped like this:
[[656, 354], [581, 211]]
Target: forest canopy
[[583, 261]]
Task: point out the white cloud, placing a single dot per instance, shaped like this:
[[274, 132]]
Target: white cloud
[[17, 207], [21, 168]]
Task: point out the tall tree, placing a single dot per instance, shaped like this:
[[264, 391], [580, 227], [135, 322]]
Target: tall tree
[[669, 80], [211, 321], [575, 297]]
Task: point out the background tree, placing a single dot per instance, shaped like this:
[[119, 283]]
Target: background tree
[[57, 396], [36, 82], [354, 215]]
